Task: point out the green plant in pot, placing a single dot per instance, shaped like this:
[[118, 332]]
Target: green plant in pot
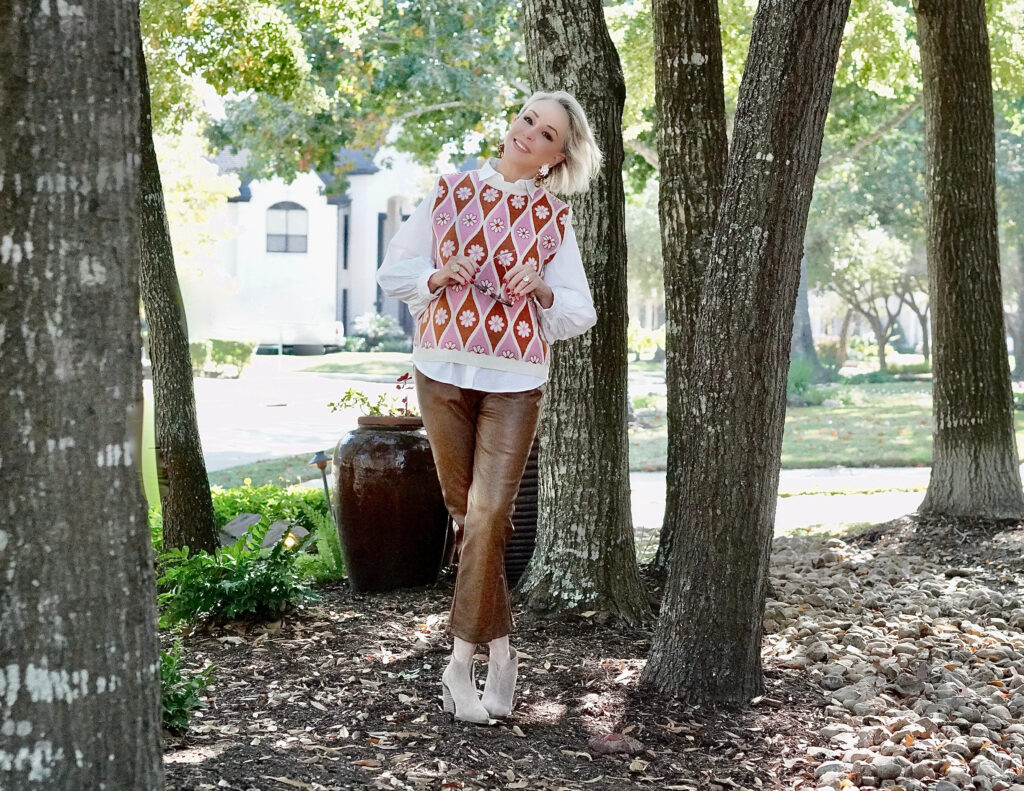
[[392, 520], [385, 409]]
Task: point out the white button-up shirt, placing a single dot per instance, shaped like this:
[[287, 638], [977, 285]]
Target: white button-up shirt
[[409, 263]]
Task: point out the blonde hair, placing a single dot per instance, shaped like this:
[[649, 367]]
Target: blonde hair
[[582, 156]]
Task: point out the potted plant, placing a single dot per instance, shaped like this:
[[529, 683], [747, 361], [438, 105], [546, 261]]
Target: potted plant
[[392, 520]]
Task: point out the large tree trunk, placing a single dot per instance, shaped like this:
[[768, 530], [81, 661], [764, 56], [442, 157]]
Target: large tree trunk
[[692, 151], [186, 505], [585, 556], [975, 468], [79, 688], [707, 646], [802, 342]]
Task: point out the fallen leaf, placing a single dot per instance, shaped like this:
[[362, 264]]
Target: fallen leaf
[[288, 782]]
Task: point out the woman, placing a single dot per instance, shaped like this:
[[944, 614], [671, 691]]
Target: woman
[[489, 266]]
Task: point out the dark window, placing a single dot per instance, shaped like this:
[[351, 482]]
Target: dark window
[[344, 309], [287, 228]]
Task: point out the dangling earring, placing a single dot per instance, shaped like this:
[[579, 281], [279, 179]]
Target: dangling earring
[[501, 150], [542, 174]]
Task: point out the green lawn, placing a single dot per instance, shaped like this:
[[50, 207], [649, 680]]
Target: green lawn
[[885, 425], [365, 363]]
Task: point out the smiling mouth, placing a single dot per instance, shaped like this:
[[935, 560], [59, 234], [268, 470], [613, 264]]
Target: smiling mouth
[[520, 146]]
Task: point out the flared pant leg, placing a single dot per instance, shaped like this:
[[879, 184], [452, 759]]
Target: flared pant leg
[[481, 442]]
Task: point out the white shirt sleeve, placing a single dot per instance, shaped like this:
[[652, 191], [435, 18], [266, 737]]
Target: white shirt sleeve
[[409, 261], [572, 312]]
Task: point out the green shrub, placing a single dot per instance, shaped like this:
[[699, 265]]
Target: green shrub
[[237, 354], [199, 351], [648, 401], [156, 529], [910, 368], [640, 341], [271, 502], [354, 343], [328, 564], [394, 345], [828, 352], [180, 691], [799, 377], [870, 378], [238, 581], [817, 395], [376, 327]]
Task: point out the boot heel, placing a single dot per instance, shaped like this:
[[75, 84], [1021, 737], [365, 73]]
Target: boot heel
[[446, 695]]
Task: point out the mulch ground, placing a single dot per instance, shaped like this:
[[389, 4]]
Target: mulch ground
[[345, 694]]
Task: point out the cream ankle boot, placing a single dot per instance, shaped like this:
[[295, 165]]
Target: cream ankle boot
[[501, 685], [458, 689]]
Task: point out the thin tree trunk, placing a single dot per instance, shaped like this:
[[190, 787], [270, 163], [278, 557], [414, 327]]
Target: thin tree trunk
[[1018, 336], [844, 339], [79, 688], [975, 467], [585, 556], [692, 150], [881, 339], [802, 343], [707, 646], [186, 505]]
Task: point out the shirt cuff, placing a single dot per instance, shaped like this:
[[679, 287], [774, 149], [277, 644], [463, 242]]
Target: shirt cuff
[[424, 290]]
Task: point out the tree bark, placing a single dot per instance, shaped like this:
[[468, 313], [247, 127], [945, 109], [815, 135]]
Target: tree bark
[[707, 645], [79, 660], [692, 151], [585, 556], [975, 466], [1018, 337], [802, 343], [186, 505]]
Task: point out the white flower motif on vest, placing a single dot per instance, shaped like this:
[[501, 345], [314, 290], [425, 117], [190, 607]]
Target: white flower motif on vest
[[499, 230]]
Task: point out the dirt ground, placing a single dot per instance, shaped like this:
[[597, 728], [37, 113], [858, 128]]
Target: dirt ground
[[345, 694]]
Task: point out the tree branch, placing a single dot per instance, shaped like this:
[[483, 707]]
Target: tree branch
[[649, 154], [428, 109], [893, 123]]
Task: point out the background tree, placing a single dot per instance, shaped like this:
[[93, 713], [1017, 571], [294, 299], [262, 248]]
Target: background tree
[[585, 556], [868, 271], [913, 290], [707, 645], [77, 615], [975, 466], [435, 76], [692, 151], [1010, 192], [232, 46]]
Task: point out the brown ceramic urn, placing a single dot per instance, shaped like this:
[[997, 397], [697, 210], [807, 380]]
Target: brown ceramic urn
[[391, 515]]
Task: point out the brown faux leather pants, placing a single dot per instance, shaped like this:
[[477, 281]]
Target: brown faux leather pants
[[481, 442]]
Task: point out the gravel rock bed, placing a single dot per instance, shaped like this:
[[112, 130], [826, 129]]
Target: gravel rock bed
[[914, 633]]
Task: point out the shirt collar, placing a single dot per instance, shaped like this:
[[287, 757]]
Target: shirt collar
[[488, 170]]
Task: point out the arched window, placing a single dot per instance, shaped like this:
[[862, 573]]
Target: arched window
[[287, 227]]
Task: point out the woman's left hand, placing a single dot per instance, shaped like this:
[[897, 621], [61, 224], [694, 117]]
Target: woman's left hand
[[523, 281]]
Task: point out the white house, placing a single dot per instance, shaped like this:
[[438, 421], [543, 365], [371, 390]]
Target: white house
[[297, 266]]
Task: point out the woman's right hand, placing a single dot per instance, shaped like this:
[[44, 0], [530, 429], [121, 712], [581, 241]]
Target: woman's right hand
[[458, 270]]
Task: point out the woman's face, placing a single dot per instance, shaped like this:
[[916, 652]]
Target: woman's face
[[537, 136]]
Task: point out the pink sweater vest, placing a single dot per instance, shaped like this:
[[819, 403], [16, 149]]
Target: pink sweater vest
[[498, 230]]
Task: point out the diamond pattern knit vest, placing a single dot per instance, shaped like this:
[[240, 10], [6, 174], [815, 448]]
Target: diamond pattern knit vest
[[497, 230]]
